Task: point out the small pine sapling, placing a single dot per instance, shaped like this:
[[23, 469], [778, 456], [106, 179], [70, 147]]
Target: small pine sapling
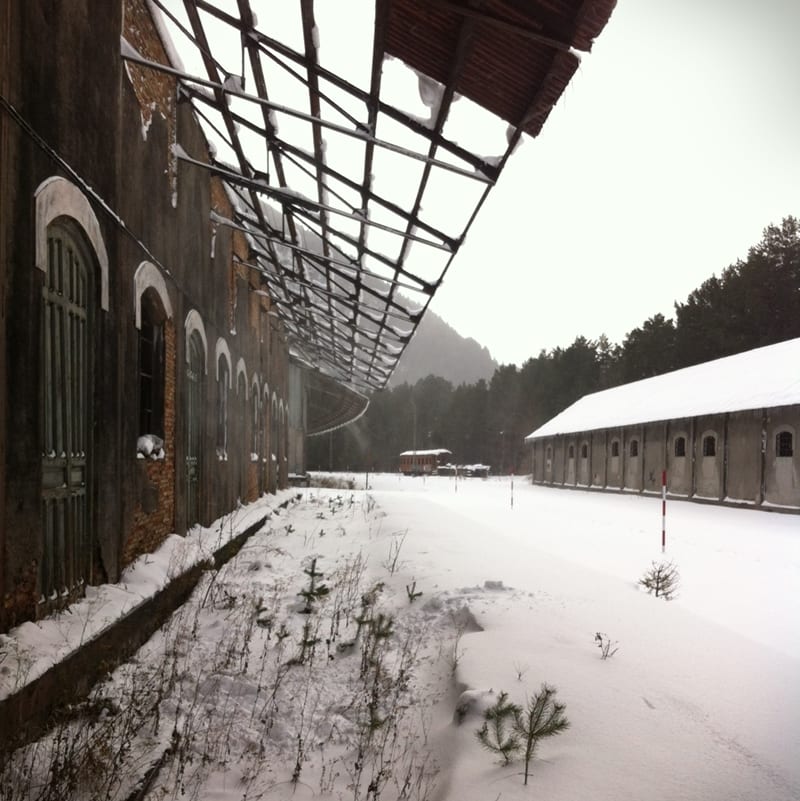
[[498, 733], [543, 717], [661, 579], [411, 591], [308, 644], [607, 647], [381, 628], [314, 591]]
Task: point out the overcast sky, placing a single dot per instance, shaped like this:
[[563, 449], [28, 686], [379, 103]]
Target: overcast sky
[[676, 144]]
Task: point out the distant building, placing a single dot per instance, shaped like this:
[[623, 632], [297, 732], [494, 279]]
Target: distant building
[[724, 431], [415, 463]]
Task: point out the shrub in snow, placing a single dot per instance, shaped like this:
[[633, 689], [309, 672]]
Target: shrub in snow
[[543, 717], [661, 580], [391, 562], [606, 646], [498, 733]]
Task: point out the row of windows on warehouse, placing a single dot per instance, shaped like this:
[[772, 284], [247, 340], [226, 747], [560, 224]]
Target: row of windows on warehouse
[[747, 457], [146, 374]]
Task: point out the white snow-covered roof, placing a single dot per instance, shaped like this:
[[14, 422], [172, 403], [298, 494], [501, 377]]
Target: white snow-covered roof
[[756, 379], [434, 452]]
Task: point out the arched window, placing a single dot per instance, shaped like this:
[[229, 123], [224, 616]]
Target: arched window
[[709, 445], [784, 444], [680, 446], [584, 451], [571, 451], [151, 365], [634, 447], [615, 447]]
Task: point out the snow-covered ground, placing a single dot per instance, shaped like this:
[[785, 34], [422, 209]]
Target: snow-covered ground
[[701, 701]]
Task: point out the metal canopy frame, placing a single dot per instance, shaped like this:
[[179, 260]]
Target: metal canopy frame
[[338, 262]]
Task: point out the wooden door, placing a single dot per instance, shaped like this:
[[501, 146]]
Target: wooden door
[[66, 379]]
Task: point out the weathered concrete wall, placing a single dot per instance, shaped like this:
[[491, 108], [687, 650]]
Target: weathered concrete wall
[[559, 460], [708, 467], [571, 463], [782, 473], [633, 458], [615, 475], [583, 456], [744, 456], [654, 456], [599, 462], [679, 459]]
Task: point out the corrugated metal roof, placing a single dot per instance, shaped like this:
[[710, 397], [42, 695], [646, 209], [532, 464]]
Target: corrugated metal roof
[[519, 58], [756, 379]]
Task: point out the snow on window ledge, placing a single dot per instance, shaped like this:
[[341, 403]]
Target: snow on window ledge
[[150, 446]]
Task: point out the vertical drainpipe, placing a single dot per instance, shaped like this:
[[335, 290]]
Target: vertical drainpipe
[[693, 482], [623, 458], [591, 451], [763, 468], [564, 466], [725, 456], [644, 456], [666, 449]]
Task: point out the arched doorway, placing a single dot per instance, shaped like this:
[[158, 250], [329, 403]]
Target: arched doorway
[[66, 398]]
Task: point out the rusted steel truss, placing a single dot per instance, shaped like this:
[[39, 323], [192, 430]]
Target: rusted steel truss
[[349, 267]]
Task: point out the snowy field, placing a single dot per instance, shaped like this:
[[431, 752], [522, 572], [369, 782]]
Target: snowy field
[[354, 691]]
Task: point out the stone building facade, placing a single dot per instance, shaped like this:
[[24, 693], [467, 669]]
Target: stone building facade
[[145, 382]]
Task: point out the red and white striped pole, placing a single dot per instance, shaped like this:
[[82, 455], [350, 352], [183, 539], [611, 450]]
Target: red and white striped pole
[[663, 510]]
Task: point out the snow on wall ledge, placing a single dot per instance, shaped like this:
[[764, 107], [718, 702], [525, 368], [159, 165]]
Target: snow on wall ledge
[[32, 648], [765, 377]]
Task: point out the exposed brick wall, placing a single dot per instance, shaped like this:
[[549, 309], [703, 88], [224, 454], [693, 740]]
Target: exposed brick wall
[[155, 91], [151, 526]]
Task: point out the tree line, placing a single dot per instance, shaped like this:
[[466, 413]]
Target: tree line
[[752, 303]]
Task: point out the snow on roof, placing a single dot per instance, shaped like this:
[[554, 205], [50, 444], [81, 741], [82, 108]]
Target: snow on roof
[[434, 452], [756, 379]]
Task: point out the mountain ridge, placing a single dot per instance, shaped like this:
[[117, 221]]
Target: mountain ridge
[[438, 349]]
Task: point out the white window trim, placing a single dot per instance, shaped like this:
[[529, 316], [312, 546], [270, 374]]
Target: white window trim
[[241, 369], [222, 349], [192, 324], [57, 197], [148, 276]]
